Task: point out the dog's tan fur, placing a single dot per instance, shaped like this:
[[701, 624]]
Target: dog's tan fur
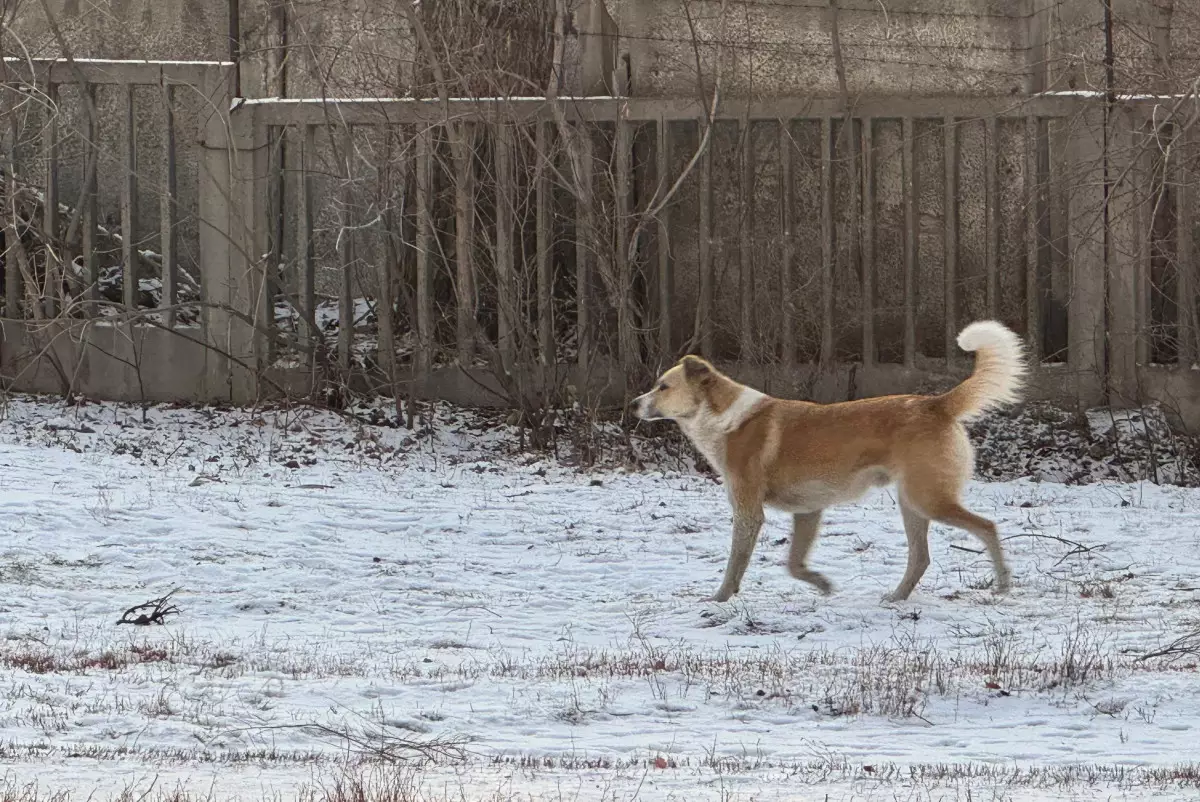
[[803, 457]]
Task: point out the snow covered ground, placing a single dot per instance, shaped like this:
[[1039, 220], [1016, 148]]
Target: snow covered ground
[[344, 589]]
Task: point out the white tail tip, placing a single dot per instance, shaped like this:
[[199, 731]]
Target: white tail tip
[[987, 334]]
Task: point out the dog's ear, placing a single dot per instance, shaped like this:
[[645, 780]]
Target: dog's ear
[[696, 370]]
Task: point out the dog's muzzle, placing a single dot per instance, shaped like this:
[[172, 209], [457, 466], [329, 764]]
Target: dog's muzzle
[[643, 407]]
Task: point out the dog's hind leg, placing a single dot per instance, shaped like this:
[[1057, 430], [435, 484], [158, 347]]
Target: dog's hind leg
[[954, 514], [939, 504], [804, 534], [916, 529], [747, 522]]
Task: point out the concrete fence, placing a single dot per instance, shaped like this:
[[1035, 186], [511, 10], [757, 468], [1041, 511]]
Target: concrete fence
[[478, 249]]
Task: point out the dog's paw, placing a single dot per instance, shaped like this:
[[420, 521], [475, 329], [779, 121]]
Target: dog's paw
[[818, 581], [895, 597], [823, 585], [1002, 585], [721, 595]]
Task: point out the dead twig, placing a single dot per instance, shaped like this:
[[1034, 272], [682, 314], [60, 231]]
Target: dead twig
[[158, 610], [1183, 646], [379, 745]]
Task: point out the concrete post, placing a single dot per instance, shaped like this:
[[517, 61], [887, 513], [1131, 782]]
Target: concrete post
[[1127, 258], [1086, 251], [598, 42], [233, 243]]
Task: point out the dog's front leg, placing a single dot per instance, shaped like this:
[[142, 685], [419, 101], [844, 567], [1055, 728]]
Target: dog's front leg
[[747, 521]]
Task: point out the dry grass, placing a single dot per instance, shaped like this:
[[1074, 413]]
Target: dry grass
[[375, 783], [893, 679]]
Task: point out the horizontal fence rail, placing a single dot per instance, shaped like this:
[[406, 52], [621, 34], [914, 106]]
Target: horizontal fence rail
[[387, 239]]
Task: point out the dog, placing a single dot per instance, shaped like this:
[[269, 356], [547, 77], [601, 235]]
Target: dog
[[802, 457]]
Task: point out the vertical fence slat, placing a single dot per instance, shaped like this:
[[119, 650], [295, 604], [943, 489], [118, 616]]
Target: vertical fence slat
[[1143, 196], [278, 190], [129, 254], [868, 241], [13, 280], [50, 145], [584, 238], [545, 235], [626, 326], [745, 240], [787, 212], [168, 211], [827, 241], [259, 261], [387, 267], [88, 217], [424, 157], [129, 204], [666, 281], [262, 252], [991, 194], [268, 234], [704, 321], [911, 244], [1185, 211], [345, 251], [853, 150], [464, 242], [950, 200], [305, 276], [1033, 301], [505, 286]]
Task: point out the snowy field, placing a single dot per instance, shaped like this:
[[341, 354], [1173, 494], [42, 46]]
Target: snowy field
[[347, 591]]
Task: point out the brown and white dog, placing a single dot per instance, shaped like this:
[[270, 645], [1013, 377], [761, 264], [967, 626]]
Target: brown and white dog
[[803, 457]]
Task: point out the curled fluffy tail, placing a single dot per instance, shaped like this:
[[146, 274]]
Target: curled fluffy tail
[[999, 371]]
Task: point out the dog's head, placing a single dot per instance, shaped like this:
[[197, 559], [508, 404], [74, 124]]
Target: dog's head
[[679, 393]]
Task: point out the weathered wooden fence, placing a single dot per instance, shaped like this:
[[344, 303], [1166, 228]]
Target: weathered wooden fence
[[479, 247]]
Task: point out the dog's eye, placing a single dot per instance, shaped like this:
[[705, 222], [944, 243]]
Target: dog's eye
[[661, 386]]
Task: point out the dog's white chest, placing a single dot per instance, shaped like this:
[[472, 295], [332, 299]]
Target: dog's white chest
[[709, 430], [712, 446]]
